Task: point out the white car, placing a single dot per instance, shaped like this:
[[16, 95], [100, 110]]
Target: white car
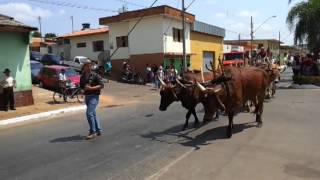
[[77, 63]]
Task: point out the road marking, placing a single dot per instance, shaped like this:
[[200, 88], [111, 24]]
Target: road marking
[[165, 169]]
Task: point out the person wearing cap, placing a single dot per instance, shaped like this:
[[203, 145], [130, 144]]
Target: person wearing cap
[[8, 84], [91, 84]]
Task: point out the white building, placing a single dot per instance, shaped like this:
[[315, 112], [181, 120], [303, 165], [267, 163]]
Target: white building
[[87, 42], [227, 48], [156, 39]]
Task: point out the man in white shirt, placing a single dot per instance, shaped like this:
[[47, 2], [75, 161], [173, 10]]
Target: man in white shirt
[[62, 75], [62, 78], [8, 84]]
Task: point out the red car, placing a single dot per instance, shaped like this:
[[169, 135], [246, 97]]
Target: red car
[[233, 58], [49, 76]]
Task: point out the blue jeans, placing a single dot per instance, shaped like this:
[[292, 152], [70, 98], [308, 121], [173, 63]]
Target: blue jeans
[[157, 83], [94, 122]]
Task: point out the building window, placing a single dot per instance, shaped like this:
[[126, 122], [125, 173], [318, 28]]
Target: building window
[[122, 41], [97, 46], [50, 49], [177, 35], [66, 41], [81, 45]]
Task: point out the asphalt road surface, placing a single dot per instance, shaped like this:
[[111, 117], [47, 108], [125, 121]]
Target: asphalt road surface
[[140, 142]]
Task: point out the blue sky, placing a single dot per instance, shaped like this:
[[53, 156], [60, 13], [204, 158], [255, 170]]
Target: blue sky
[[234, 15]]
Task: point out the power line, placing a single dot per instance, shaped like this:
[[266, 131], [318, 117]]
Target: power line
[[70, 5], [131, 3], [190, 4], [235, 32]]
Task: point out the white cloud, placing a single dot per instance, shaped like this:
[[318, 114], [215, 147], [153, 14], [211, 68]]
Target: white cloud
[[61, 12], [210, 2], [221, 15], [239, 27], [24, 12], [248, 13]]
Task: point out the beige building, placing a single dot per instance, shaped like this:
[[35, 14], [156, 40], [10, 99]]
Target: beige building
[[272, 44]]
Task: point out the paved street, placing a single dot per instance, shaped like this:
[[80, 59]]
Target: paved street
[[139, 142]]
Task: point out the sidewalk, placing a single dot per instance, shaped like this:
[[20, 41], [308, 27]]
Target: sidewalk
[[43, 102]]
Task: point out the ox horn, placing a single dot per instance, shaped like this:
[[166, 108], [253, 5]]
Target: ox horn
[[202, 77], [180, 83], [161, 81], [201, 87]]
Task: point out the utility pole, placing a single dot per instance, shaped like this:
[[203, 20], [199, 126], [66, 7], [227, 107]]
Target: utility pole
[[239, 37], [251, 46], [72, 24], [185, 67], [279, 45], [40, 31]]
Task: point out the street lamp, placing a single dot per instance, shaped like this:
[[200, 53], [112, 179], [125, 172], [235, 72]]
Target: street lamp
[[253, 31], [263, 23]]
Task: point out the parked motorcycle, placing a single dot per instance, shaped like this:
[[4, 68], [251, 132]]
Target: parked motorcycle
[[132, 78]]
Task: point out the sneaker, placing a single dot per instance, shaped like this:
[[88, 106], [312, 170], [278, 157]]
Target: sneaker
[[99, 133], [90, 136]]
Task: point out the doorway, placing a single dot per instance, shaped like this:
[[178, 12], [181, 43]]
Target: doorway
[[208, 56]]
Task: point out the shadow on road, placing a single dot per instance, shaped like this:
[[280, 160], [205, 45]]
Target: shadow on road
[[186, 139], [76, 138]]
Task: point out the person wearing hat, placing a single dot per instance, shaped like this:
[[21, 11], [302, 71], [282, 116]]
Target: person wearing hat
[[91, 84], [8, 84]]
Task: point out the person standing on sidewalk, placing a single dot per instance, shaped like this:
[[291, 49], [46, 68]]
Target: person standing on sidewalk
[[8, 84], [91, 84], [160, 75]]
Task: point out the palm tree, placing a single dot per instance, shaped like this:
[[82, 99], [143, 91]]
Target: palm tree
[[303, 19]]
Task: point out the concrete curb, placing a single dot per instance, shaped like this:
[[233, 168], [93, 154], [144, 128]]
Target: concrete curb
[[40, 115]]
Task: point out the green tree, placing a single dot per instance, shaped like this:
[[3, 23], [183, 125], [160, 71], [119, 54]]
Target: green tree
[[50, 35], [36, 34], [303, 20]]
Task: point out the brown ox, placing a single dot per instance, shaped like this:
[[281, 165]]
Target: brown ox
[[197, 76], [238, 86], [274, 76], [188, 95]]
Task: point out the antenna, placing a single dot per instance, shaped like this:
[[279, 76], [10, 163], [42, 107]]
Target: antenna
[[124, 7], [39, 19], [72, 24]]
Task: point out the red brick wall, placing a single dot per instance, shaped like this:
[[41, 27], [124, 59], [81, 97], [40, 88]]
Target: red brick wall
[[139, 62]]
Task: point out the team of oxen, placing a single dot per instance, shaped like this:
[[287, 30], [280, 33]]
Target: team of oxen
[[230, 90]]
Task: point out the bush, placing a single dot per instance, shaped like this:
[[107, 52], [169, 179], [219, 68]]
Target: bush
[[315, 80]]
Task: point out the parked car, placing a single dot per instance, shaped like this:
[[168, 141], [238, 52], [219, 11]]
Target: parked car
[[50, 59], [49, 76], [35, 70], [35, 56], [77, 63]]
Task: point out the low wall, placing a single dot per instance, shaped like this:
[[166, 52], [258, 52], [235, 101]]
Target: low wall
[[22, 98], [138, 62]]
